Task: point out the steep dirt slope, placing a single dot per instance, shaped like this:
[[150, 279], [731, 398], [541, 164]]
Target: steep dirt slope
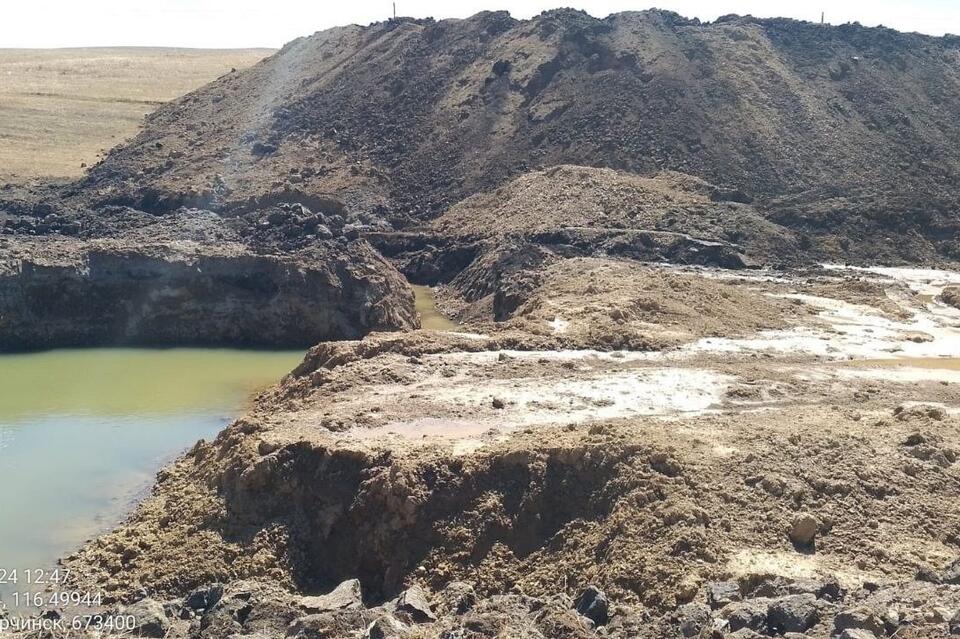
[[837, 131], [174, 293]]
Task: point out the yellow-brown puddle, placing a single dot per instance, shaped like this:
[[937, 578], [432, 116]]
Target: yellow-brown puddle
[[83, 431], [430, 317]]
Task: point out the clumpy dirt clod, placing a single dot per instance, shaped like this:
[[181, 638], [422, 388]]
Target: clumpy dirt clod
[[951, 296]]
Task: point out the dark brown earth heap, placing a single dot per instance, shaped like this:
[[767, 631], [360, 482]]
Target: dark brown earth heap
[[838, 133]]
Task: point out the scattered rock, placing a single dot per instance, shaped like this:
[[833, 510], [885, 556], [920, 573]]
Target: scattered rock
[[796, 613], [330, 625], [928, 574], [263, 148], [204, 598], [688, 588], [693, 619], [234, 607], [891, 620], [746, 614], [763, 585], [857, 633], [954, 625], [346, 596], [150, 618], [592, 604], [413, 601], [773, 485], [859, 619], [386, 627], [951, 574], [721, 593], [951, 296], [458, 597], [498, 403], [829, 589]]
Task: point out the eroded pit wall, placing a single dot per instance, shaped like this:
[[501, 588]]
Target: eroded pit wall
[[62, 294]]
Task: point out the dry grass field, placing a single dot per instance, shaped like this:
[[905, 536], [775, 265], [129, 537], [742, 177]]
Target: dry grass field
[[61, 108]]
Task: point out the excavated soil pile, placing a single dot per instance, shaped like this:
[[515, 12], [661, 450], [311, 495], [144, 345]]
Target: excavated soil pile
[[610, 304], [846, 135], [576, 198], [622, 440]]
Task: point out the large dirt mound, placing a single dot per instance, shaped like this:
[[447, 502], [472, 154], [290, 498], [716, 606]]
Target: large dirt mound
[[843, 132]]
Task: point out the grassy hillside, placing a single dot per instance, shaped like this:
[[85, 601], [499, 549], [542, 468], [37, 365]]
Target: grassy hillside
[[60, 108]]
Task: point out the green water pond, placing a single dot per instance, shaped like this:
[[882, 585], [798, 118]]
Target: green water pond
[[82, 433]]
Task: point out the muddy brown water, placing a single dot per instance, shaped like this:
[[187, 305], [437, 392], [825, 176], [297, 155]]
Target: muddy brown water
[[430, 316]]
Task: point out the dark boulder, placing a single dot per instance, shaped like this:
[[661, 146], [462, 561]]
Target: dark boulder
[[593, 605], [721, 593], [204, 598], [795, 613], [149, 617]]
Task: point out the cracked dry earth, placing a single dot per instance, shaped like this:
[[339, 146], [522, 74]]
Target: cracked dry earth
[[783, 464]]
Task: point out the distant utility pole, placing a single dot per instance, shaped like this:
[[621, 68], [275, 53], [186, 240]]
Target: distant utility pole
[[823, 14], [394, 10]]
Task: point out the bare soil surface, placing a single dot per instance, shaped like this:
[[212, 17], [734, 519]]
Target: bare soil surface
[[607, 304], [502, 463]]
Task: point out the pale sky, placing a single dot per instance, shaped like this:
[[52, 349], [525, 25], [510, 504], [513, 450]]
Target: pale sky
[[270, 23]]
